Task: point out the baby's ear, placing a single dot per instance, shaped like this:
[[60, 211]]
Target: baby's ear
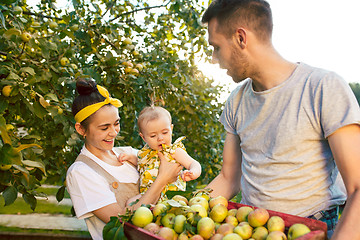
[[142, 136]]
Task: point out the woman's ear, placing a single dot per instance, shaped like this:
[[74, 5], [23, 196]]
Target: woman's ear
[[80, 129]]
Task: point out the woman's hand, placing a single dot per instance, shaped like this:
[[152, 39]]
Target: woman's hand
[[168, 171]]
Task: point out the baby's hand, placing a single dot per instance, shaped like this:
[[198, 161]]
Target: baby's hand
[[131, 158], [187, 175]]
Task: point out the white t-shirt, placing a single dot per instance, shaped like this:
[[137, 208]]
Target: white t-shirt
[[287, 163], [90, 191]]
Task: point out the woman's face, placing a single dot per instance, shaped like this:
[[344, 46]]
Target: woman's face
[[157, 132], [103, 128]]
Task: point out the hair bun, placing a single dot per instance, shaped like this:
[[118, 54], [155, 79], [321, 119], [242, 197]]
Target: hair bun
[[86, 86]]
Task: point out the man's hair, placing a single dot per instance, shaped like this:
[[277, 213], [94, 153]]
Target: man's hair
[[253, 14], [151, 113]]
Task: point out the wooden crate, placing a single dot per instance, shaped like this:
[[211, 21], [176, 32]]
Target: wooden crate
[[318, 228]]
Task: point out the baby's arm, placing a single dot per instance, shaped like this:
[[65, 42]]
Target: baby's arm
[[193, 167], [128, 156]]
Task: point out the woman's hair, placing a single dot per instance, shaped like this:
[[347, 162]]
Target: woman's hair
[[88, 95], [151, 113], [253, 14]]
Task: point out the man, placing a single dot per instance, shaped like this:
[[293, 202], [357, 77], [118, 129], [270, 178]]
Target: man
[[292, 129]]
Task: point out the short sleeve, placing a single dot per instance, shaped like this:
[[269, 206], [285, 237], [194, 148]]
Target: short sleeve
[[88, 190]]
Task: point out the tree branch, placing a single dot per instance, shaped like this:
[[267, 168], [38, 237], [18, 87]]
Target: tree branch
[[40, 15]]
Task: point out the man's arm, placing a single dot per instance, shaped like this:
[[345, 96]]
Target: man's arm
[[345, 146], [227, 183]]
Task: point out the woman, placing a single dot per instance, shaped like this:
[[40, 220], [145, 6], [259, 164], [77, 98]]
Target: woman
[[99, 184]]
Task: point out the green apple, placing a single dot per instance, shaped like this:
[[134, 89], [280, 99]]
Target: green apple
[[219, 199], [53, 25], [179, 223], [225, 229], [242, 213], [199, 209], [199, 200], [152, 227], [168, 220], [232, 236], [276, 235], [142, 217], [206, 227], [296, 230], [244, 230], [25, 36], [159, 209], [176, 197], [182, 210], [232, 220], [260, 233], [74, 27], [258, 217], [127, 41], [167, 233], [276, 223], [218, 213]]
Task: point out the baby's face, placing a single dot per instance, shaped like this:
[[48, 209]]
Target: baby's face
[[157, 132]]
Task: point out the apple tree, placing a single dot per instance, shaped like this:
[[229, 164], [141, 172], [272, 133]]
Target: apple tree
[[139, 50]]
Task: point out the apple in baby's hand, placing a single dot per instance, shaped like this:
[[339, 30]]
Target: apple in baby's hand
[[206, 227], [167, 233], [168, 220], [216, 200], [296, 230], [242, 213], [276, 223], [218, 213], [199, 200], [258, 217], [276, 235], [244, 230], [260, 233]]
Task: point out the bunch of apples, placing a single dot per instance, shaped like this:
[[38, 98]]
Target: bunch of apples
[[202, 217]]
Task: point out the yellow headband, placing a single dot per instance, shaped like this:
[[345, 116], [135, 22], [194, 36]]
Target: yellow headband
[[87, 111]]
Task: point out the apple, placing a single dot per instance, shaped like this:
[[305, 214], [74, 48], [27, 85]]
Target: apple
[[232, 236], [260, 233], [219, 199], [276, 223], [206, 227], [232, 212], [25, 36], [243, 212], [64, 61], [196, 237], [176, 197], [258, 217], [232, 220], [199, 200], [140, 67], [17, 10], [134, 71], [167, 233], [182, 210], [218, 213], [74, 27], [296, 230], [142, 217], [35, 24], [5, 167], [159, 209], [183, 236], [203, 195], [6, 90], [179, 223], [199, 209], [168, 220], [152, 227], [53, 25], [128, 70], [135, 53], [225, 229], [244, 230], [127, 41], [217, 236], [276, 235]]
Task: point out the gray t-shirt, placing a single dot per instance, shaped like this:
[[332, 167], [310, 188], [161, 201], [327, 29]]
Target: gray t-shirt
[[287, 163]]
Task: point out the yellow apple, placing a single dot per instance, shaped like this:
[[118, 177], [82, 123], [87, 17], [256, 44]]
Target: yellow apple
[[296, 230], [232, 212], [219, 199], [232, 236], [183, 236], [127, 41], [242, 213], [142, 217], [258, 217], [128, 70], [64, 61], [25, 36], [135, 53], [232, 220], [5, 167], [206, 227], [196, 237], [140, 67], [244, 230], [53, 25], [218, 213], [152, 227], [217, 236], [276, 235], [199, 200], [199, 209], [276, 223], [134, 71], [225, 229], [167, 233], [260, 233], [6, 90]]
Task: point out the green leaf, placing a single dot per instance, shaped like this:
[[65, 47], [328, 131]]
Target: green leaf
[[30, 199], [10, 195], [60, 194], [39, 110], [13, 76], [28, 70], [38, 165], [9, 155], [2, 20], [52, 96], [11, 32]]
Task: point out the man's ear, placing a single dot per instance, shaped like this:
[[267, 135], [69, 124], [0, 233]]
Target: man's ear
[[80, 129], [241, 37]]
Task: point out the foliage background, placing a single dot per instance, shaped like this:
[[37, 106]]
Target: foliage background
[[38, 142]]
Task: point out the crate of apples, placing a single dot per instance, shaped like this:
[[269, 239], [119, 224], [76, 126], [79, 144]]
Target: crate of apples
[[202, 217]]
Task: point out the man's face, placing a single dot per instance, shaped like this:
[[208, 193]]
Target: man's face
[[227, 52]]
